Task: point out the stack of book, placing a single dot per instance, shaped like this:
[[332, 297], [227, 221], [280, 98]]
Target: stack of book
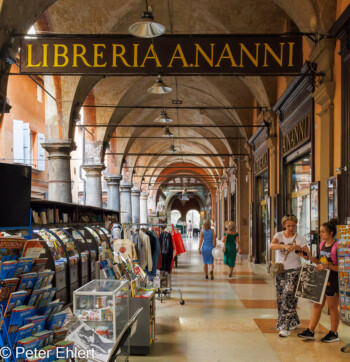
[[29, 317]]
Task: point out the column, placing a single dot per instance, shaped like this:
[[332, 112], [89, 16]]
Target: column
[[243, 205], [143, 208], [135, 201], [113, 197], [125, 202], [93, 184], [60, 184]]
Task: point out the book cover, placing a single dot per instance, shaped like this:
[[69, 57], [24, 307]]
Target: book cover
[[33, 249], [50, 353], [24, 332], [39, 265], [7, 287], [10, 248], [24, 266], [17, 318], [59, 335], [46, 291], [16, 299], [27, 282], [57, 320], [29, 343], [45, 338], [52, 308], [38, 321], [7, 269], [42, 280]]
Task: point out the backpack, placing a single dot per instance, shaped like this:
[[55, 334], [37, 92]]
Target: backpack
[[333, 252]]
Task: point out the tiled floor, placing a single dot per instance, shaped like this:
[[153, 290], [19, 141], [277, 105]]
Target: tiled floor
[[232, 320]]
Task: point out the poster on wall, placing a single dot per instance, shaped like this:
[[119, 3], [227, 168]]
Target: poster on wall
[[312, 283], [344, 271]]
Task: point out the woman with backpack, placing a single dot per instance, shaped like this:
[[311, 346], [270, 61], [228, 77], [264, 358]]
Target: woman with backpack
[[327, 260]]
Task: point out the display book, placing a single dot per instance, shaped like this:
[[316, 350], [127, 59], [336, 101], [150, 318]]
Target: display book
[[30, 320], [344, 271], [115, 266]]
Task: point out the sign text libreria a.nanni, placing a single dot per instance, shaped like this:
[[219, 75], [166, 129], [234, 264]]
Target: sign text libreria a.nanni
[[178, 55]]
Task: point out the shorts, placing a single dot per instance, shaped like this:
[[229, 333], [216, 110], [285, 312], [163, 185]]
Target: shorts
[[333, 288]]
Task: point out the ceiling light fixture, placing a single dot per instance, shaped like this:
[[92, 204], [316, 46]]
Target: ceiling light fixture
[[163, 118], [167, 133], [147, 27], [159, 87], [172, 149]]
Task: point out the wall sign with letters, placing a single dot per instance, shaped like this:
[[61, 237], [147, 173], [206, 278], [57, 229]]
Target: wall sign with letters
[[177, 55], [261, 164], [296, 136]]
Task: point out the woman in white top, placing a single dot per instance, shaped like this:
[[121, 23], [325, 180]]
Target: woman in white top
[[286, 243]]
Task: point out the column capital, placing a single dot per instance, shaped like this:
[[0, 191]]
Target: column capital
[[324, 94], [271, 144], [59, 148], [125, 186], [113, 179], [135, 191], [93, 169], [144, 195]]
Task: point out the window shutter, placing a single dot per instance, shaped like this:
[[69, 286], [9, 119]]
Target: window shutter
[[18, 156], [41, 152], [26, 145]]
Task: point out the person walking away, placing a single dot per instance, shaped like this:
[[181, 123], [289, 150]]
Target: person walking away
[[189, 229], [231, 241], [207, 242], [327, 259], [285, 243]]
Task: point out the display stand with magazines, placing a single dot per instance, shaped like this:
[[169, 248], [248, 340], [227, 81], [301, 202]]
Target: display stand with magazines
[[30, 318]]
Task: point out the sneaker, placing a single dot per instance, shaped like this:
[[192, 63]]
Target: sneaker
[[330, 337], [294, 327], [307, 335], [206, 277], [211, 275], [284, 333]]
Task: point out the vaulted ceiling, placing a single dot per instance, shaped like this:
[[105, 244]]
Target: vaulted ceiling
[[179, 17]]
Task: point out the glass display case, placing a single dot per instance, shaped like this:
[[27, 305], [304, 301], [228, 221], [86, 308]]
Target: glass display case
[[104, 306]]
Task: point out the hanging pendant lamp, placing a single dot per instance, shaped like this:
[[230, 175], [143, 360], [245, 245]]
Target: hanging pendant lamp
[[159, 87], [172, 149], [147, 27], [163, 118], [167, 133]]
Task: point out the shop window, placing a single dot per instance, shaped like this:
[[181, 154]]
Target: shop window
[[27, 147], [298, 190]]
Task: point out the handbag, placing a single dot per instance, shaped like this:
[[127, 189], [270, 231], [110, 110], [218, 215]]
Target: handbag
[[278, 268]]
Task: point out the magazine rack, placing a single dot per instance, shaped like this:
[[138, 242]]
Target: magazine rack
[[4, 337]]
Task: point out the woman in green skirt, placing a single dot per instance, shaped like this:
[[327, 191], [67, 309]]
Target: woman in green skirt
[[231, 241]]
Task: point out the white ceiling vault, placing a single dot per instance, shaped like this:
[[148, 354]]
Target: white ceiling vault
[[179, 17]]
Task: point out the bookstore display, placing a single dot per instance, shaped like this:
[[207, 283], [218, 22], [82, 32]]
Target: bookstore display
[[104, 306], [97, 236], [344, 271], [31, 319], [87, 248]]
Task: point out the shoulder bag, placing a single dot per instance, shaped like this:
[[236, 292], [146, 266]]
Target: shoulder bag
[[278, 268]]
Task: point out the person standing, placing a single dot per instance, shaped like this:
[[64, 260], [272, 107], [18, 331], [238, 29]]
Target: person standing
[[231, 241], [285, 243], [327, 259], [189, 229], [207, 242]]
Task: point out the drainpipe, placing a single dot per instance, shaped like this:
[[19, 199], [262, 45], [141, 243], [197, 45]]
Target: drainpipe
[[81, 169]]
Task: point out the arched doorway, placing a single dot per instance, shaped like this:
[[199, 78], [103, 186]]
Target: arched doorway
[[175, 217]]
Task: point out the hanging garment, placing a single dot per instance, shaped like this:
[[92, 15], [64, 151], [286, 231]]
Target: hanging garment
[[167, 251], [146, 255], [125, 247], [153, 272], [116, 231]]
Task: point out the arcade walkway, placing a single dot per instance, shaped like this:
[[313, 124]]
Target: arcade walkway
[[232, 320]]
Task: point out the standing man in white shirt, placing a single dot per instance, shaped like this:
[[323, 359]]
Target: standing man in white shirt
[[189, 230]]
